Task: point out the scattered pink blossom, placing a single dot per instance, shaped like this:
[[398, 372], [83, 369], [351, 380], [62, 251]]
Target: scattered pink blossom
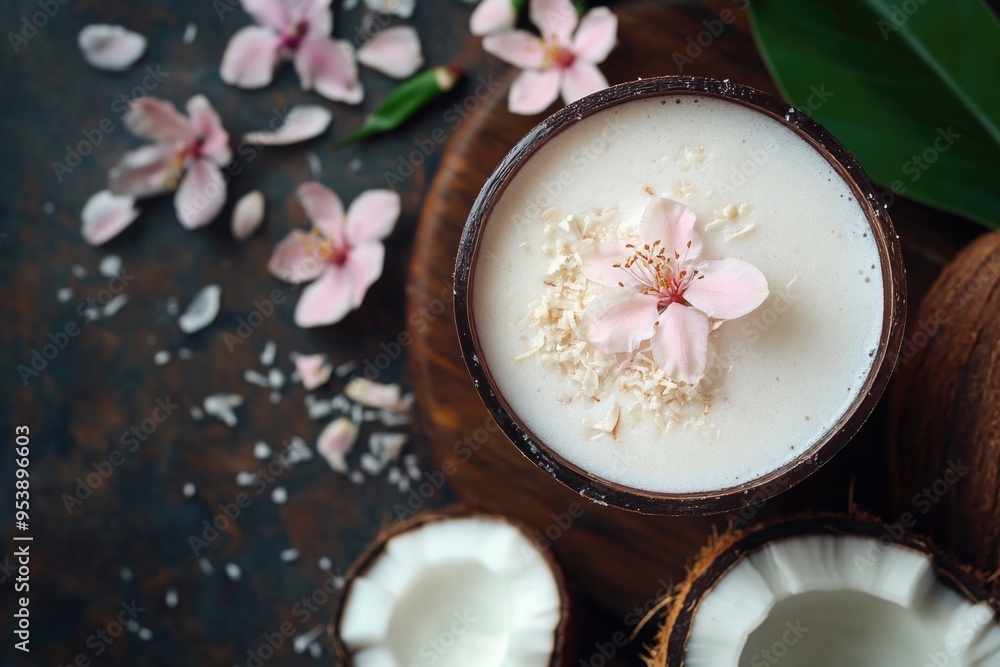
[[296, 30], [335, 441], [314, 370], [248, 214], [393, 51], [187, 157], [105, 215], [343, 254], [663, 292], [302, 123], [564, 59]]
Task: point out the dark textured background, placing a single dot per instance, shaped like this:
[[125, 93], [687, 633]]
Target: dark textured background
[[105, 381]]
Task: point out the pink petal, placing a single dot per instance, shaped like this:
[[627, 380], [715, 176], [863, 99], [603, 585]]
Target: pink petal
[[201, 195], [274, 13], [680, 344], [393, 51], [145, 172], [365, 263], [671, 223], [324, 209], [206, 124], [372, 216], [619, 319], [555, 19], [293, 259], [517, 47], [329, 67], [582, 79], [599, 260], [726, 289], [318, 15], [533, 91], [110, 47], [492, 16], [596, 35], [336, 440], [301, 124], [373, 394], [327, 300], [247, 214], [314, 370], [105, 215], [250, 57], [158, 120]]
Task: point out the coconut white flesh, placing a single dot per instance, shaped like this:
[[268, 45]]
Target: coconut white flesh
[[454, 593], [825, 601]]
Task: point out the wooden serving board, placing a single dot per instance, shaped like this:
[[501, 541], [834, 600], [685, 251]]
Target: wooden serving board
[[617, 560]]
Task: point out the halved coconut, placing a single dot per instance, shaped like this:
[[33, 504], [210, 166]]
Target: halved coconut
[[453, 589], [828, 591]]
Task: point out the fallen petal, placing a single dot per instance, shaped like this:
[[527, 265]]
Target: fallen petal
[[144, 172], [555, 19], [517, 47], [111, 47], [619, 319], [377, 395], [105, 215], [250, 57], [301, 124], [672, 224], [401, 8], [328, 300], [158, 120], [372, 216], [726, 289], [393, 51], [248, 214], [680, 344], [580, 80], [203, 309], [201, 195], [533, 91], [328, 67], [596, 35], [293, 260], [336, 440], [314, 370], [492, 16]]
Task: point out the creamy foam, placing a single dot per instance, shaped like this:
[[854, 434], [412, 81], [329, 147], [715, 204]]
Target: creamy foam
[[806, 351]]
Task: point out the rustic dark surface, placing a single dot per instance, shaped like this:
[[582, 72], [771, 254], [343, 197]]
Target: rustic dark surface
[[105, 381]]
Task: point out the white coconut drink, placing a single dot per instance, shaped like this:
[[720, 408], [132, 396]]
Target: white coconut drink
[[825, 592], [676, 291], [452, 590]]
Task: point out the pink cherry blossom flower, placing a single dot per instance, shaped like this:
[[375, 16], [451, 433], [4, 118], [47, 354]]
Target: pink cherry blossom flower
[[663, 292], [344, 255], [296, 30], [564, 59], [187, 157]]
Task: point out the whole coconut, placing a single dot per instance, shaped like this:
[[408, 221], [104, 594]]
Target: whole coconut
[[944, 409]]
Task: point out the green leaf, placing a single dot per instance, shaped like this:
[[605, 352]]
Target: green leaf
[[404, 101], [911, 87]]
